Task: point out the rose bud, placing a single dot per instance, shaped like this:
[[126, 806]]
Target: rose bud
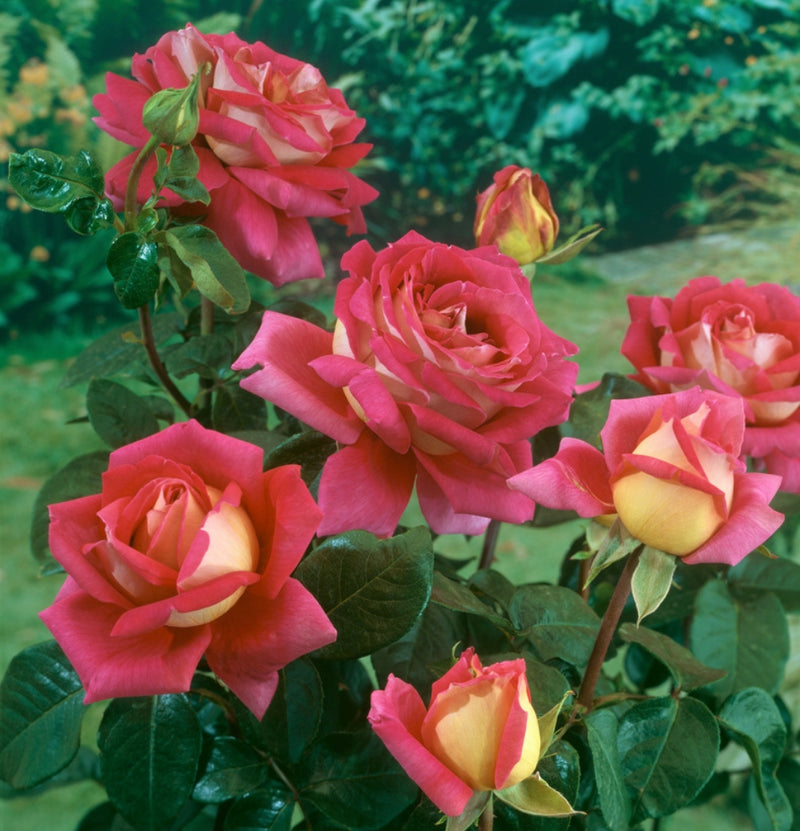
[[670, 469], [516, 215], [479, 733]]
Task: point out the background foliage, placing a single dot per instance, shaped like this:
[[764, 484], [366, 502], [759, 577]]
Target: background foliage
[[646, 116]]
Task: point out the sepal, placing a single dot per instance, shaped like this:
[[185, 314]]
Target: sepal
[[534, 796]]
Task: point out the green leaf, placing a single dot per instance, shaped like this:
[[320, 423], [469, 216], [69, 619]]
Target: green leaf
[[652, 580], [40, 715], [267, 809], [133, 263], [534, 796], [748, 638], [372, 590], [780, 576], [688, 672], [79, 477], [310, 450], [293, 718], [602, 728], [668, 749], [215, 272], [49, 182], [556, 621], [638, 12], [355, 781], [118, 350], [458, 597], [205, 356], [233, 768], [753, 718], [150, 751], [181, 178], [118, 415], [572, 247], [89, 215], [235, 409]]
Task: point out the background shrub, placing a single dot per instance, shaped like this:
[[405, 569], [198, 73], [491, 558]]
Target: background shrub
[[650, 117]]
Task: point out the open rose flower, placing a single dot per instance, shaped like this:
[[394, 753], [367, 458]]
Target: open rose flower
[[439, 371], [479, 733], [274, 143], [186, 552], [515, 214], [738, 340], [670, 470]]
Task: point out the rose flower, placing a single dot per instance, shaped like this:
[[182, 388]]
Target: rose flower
[[516, 214], [274, 143], [186, 552], [439, 371], [670, 470], [479, 733], [738, 340]]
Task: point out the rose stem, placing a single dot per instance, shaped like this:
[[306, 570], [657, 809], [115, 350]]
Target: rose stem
[[608, 626], [489, 543], [206, 384], [486, 819], [133, 182], [155, 361]]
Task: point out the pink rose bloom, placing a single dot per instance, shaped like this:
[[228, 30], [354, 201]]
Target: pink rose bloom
[[670, 470], [438, 373], [479, 733], [186, 552], [274, 142], [515, 214], [738, 340]]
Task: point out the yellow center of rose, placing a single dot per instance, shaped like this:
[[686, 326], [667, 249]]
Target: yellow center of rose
[[169, 530]]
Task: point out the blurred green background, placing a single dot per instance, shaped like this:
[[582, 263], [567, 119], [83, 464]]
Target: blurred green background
[[673, 124]]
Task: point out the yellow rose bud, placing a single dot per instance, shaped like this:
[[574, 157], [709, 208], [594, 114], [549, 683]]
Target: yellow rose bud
[[516, 214]]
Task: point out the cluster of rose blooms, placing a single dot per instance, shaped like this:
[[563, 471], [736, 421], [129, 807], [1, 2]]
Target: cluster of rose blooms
[[435, 378]]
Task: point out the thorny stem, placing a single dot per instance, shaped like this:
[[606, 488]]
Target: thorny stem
[[286, 781], [489, 544], [608, 626], [148, 340]]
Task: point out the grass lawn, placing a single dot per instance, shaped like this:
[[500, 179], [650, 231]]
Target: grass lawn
[[585, 304]]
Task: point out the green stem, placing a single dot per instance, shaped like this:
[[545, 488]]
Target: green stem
[[486, 819], [489, 543], [148, 340], [608, 626], [133, 182]]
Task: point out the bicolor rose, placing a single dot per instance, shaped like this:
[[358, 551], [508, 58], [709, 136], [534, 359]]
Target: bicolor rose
[[738, 340], [516, 214], [275, 145], [479, 732], [670, 470], [438, 373], [187, 551]]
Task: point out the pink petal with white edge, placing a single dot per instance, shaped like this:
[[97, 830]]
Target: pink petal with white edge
[[158, 662], [396, 715], [575, 479], [260, 635], [366, 486], [284, 347], [750, 524]]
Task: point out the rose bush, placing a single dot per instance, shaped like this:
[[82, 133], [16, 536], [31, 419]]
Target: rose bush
[[275, 146], [479, 732], [670, 470], [439, 371], [186, 552], [738, 340], [515, 213]]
